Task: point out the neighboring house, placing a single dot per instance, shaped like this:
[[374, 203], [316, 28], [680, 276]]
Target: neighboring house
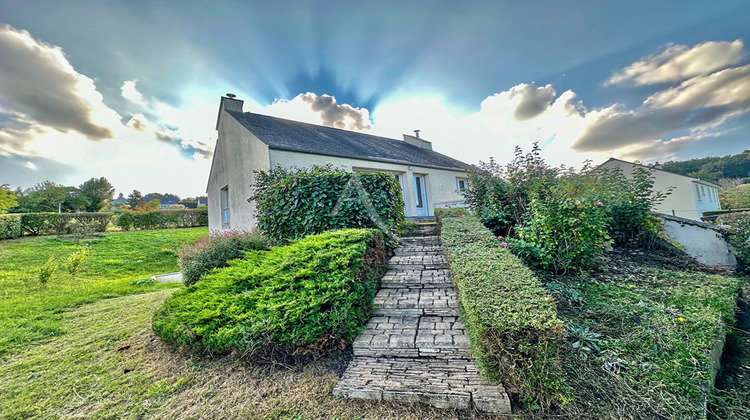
[[119, 200], [248, 142], [690, 196], [202, 201], [164, 202]]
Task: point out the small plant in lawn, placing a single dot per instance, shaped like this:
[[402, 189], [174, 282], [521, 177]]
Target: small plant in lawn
[[585, 339], [76, 259], [47, 270]]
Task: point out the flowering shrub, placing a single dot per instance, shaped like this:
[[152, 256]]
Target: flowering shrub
[[213, 251], [566, 229]]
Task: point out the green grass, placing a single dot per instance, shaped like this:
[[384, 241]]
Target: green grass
[[30, 312], [658, 331], [111, 366]]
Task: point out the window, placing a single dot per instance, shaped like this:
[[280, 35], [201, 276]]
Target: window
[[224, 198], [698, 192], [462, 184], [703, 191]]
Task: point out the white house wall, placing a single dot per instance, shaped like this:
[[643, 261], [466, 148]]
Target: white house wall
[[238, 152], [440, 184], [682, 202]]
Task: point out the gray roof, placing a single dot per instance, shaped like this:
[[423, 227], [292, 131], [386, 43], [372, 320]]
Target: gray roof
[[281, 134]]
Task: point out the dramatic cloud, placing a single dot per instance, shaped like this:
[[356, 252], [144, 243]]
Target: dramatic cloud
[[534, 100], [39, 83], [680, 62], [338, 115], [698, 104], [187, 148]]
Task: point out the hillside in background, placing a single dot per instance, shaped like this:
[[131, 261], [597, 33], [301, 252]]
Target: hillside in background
[[713, 168]]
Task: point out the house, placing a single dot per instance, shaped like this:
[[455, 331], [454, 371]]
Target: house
[[249, 142], [202, 201], [690, 196], [164, 202]]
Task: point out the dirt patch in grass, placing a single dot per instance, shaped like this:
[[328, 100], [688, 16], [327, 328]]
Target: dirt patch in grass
[[110, 365]]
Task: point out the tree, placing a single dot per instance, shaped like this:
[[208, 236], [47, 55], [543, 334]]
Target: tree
[[735, 198], [99, 192], [134, 199], [153, 204], [48, 197], [7, 198]]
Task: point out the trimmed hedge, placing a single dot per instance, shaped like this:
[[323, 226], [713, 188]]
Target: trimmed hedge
[[63, 223], [295, 203], [10, 226], [511, 320], [725, 211], [305, 298], [161, 219]]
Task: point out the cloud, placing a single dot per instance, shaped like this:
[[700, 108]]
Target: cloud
[[337, 115], [698, 104], [40, 84], [132, 94], [680, 62], [534, 100]]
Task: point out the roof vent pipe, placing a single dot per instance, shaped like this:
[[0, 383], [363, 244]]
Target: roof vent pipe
[[416, 133]]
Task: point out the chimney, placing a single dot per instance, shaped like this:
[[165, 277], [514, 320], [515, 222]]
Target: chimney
[[230, 104], [417, 141]]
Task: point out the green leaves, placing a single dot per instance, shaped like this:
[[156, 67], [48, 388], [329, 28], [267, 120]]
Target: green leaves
[[293, 203], [306, 296]]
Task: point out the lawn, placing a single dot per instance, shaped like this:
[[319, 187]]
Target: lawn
[[31, 312], [111, 365]]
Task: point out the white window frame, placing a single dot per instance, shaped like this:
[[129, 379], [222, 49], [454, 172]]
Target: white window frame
[[460, 190], [224, 205], [698, 192]]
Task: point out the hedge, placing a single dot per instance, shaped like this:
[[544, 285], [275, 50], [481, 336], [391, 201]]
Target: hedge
[[725, 211], [295, 203], [305, 298], [10, 226], [511, 320], [731, 219], [63, 223], [161, 219]]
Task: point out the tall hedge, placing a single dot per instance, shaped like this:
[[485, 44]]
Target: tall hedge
[[161, 219], [305, 298], [511, 320], [63, 223], [295, 203], [10, 226]]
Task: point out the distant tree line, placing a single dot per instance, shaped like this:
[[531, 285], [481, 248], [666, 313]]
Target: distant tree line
[[714, 168], [94, 195]]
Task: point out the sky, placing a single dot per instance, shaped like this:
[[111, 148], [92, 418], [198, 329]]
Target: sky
[[130, 90]]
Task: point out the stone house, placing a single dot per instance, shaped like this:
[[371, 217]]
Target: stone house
[[248, 142], [690, 196]]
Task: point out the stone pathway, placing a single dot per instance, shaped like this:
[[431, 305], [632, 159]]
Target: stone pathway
[[415, 348]]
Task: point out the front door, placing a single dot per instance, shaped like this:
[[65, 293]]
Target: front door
[[421, 196]]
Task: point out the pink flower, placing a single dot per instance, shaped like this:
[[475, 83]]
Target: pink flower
[[598, 203], [503, 244]]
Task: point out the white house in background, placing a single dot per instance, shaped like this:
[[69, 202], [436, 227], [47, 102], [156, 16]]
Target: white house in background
[[690, 196], [248, 142]]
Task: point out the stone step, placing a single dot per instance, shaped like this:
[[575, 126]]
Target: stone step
[[443, 383], [403, 336], [439, 301], [423, 259], [395, 278], [422, 240]]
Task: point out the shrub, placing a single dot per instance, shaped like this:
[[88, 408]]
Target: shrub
[[75, 259], [565, 229], [10, 226], [63, 223], [304, 298], [729, 219], [736, 197], [47, 270], [214, 251], [161, 219], [511, 320], [295, 203], [739, 237]]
